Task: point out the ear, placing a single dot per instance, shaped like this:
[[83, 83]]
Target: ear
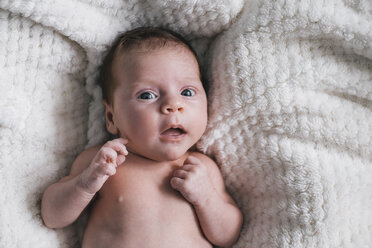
[[110, 122]]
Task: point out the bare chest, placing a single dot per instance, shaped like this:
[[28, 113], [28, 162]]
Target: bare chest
[[140, 196], [138, 186], [140, 200]]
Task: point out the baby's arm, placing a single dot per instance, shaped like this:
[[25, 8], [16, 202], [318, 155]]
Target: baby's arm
[[65, 200], [201, 183]]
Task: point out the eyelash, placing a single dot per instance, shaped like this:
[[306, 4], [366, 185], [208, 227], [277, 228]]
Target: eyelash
[[147, 92], [189, 89], [154, 96]]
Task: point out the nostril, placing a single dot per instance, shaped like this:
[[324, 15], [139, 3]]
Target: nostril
[[172, 108]]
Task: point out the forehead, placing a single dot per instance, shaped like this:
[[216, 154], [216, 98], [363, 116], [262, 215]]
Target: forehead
[[176, 61]]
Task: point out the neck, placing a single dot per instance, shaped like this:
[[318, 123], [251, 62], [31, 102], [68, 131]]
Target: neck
[[179, 160]]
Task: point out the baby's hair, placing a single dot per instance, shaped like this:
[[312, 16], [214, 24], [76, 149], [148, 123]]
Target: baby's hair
[[143, 38]]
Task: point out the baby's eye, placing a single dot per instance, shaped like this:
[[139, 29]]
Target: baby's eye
[[188, 92], [147, 96]]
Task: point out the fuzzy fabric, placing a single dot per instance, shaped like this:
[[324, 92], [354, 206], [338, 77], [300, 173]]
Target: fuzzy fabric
[[290, 106]]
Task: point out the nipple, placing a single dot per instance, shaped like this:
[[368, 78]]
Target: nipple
[[120, 199]]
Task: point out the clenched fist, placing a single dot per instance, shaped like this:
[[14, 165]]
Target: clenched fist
[[104, 164], [193, 182]]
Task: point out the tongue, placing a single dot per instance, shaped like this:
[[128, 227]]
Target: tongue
[[173, 132]]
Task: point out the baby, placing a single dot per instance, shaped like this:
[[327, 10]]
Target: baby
[[149, 187]]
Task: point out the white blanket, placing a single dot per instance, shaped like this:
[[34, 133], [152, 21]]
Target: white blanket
[[290, 107]]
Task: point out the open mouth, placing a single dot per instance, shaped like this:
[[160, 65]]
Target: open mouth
[[175, 132]]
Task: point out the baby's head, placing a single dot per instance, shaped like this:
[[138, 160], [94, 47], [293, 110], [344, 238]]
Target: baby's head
[[153, 93]]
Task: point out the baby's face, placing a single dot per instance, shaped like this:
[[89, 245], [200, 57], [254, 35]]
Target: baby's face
[[159, 103]]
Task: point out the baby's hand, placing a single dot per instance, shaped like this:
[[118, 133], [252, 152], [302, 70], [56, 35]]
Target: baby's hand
[[111, 155], [193, 182]]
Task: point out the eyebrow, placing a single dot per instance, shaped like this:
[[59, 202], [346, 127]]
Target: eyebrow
[[151, 81]]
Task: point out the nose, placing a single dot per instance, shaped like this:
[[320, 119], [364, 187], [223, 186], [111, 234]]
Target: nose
[[171, 106]]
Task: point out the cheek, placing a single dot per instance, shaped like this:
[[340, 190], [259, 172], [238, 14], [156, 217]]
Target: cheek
[[204, 111], [139, 122], [205, 121], [202, 117]]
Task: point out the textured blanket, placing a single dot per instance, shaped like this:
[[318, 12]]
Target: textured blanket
[[290, 106]]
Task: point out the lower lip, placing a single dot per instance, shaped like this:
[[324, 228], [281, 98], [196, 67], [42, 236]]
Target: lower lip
[[170, 138]]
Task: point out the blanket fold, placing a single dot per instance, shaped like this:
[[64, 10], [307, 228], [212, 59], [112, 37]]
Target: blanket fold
[[290, 109]]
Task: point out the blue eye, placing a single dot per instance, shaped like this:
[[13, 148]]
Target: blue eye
[[147, 96], [188, 92]]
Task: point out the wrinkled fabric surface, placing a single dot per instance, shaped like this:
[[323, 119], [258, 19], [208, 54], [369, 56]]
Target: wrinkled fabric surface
[[290, 106]]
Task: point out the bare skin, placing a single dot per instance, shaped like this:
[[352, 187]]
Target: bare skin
[[150, 189], [141, 204], [138, 207]]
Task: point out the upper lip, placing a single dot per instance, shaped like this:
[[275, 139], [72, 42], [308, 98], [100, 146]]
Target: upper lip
[[174, 126]]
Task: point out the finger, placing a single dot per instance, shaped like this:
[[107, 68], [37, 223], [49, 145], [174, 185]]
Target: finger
[[117, 146], [122, 140], [187, 167], [110, 170], [180, 174], [176, 183], [107, 169], [192, 160], [120, 159], [108, 154]]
